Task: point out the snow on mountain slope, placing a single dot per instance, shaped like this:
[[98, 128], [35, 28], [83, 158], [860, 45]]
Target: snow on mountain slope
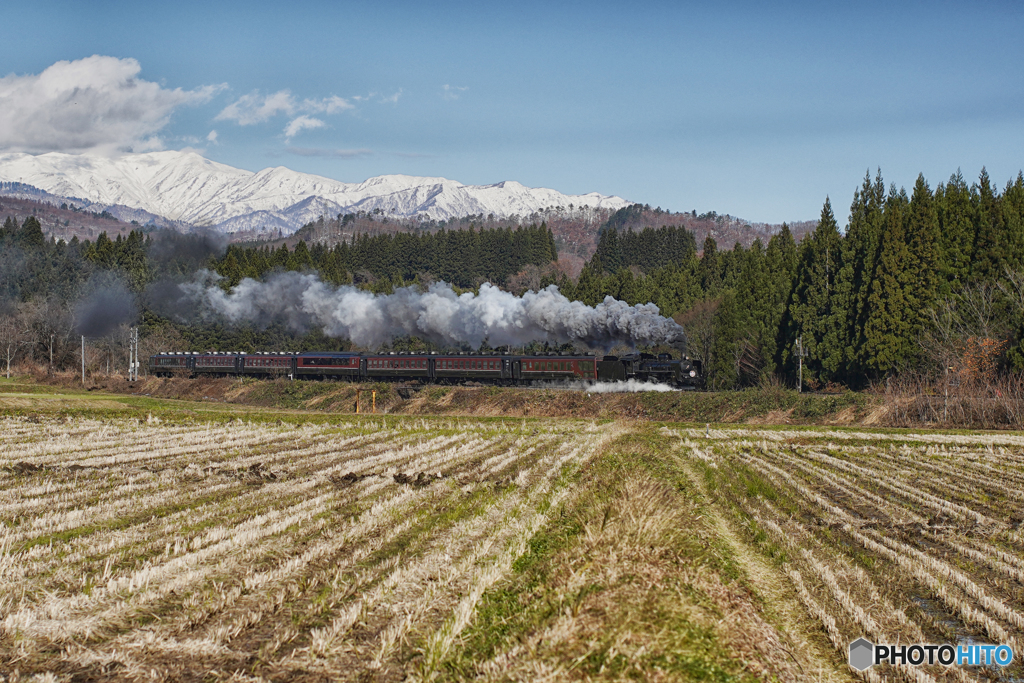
[[186, 187]]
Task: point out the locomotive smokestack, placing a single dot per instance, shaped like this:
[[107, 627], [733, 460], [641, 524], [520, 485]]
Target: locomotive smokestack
[[302, 301]]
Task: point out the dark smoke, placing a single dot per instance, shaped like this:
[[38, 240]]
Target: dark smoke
[[180, 253], [107, 305], [302, 301]]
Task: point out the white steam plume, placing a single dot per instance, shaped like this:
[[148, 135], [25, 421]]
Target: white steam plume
[[302, 301]]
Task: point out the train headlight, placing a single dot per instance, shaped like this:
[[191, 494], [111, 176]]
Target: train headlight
[[693, 373]]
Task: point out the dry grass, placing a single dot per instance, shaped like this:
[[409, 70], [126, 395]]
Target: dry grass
[[148, 550], [427, 548], [902, 541]]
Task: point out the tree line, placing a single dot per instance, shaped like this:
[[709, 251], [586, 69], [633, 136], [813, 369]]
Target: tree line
[[464, 258], [930, 281]]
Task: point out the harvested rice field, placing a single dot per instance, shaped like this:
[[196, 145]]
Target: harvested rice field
[[196, 547]]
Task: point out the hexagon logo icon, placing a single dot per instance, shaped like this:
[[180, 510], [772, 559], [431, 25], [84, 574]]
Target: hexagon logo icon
[[861, 654]]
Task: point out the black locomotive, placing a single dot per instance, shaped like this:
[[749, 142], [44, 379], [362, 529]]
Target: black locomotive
[[434, 368]]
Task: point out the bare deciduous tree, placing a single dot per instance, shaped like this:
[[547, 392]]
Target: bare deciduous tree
[[699, 323], [15, 335]]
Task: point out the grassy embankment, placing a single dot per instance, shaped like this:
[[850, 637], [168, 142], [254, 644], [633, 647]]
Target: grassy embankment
[[770, 405]]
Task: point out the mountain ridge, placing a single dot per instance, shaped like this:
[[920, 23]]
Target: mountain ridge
[[187, 188]]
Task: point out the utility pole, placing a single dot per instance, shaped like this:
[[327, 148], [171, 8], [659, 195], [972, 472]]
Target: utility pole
[[800, 355], [133, 354], [83, 360]]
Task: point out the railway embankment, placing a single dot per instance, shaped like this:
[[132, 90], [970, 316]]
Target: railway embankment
[[767, 405]]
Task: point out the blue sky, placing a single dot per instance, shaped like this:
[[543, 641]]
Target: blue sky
[[757, 111]]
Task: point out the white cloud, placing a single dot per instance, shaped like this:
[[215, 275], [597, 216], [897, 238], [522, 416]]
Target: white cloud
[[383, 99], [301, 123], [328, 105], [256, 108], [211, 137], [452, 92], [97, 104]]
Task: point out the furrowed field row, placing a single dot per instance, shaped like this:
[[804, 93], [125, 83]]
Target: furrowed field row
[[137, 581], [256, 500], [1001, 562], [929, 571], [864, 610], [873, 614], [101, 505], [778, 435], [456, 566]]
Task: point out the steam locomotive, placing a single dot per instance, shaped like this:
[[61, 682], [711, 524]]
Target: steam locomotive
[[434, 368]]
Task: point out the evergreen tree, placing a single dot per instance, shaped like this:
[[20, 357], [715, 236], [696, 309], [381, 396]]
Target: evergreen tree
[[31, 234], [300, 258], [859, 253], [888, 333], [812, 312], [989, 240], [955, 212], [1013, 220], [780, 264], [724, 371], [923, 264], [710, 272]]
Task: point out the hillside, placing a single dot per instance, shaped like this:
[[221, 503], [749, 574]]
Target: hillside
[[576, 229], [63, 223]]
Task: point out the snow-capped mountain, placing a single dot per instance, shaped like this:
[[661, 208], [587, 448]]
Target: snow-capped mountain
[[187, 188]]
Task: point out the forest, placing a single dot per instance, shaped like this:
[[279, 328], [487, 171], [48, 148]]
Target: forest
[[929, 283]]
